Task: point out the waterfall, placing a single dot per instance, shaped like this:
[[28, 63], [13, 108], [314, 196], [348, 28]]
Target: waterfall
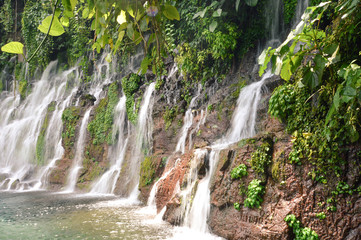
[[196, 209], [79, 154], [53, 141], [201, 121], [106, 184], [274, 25], [300, 9], [142, 145], [187, 123], [23, 159]]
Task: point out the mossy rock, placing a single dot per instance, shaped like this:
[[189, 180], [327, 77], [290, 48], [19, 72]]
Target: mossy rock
[[147, 171], [41, 141], [70, 119]]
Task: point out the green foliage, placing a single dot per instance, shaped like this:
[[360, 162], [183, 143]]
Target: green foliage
[[289, 8], [56, 29], [23, 86], [239, 172], [347, 97], [320, 99], [70, 119], [210, 33], [344, 188], [261, 158], [237, 206], [321, 215], [34, 13], [13, 47], [282, 101], [254, 194], [130, 86], [40, 143], [301, 233], [239, 86], [169, 116], [7, 17], [101, 125], [147, 172]]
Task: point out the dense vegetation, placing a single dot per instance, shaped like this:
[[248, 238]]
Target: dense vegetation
[[211, 37], [320, 100]]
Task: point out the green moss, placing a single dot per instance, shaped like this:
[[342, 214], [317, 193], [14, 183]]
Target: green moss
[[147, 172], [23, 86], [40, 143], [278, 167], [262, 157], [70, 119], [237, 87], [100, 126], [130, 86], [169, 116], [92, 171]]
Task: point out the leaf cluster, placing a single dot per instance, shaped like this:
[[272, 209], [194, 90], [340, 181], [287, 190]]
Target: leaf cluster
[[254, 194], [301, 233], [239, 172]]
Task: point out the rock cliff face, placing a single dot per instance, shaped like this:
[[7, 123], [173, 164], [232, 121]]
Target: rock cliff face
[[289, 188]]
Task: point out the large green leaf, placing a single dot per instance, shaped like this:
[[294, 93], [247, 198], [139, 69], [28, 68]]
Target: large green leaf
[[217, 13], [251, 3], [85, 13], [56, 27], [69, 5], [13, 47], [213, 26], [145, 64], [286, 72], [122, 17], [64, 21], [171, 12], [108, 58], [119, 41]]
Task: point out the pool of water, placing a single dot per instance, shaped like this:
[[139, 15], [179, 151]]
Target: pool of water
[[46, 215]]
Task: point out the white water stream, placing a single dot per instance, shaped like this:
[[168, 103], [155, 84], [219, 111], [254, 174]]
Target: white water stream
[[20, 126], [79, 154], [107, 183], [187, 123], [197, 208], [143, 140]]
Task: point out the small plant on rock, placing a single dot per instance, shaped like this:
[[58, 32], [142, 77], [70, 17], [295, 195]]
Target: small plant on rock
[[254, 194], [301, 233], [239, 172]]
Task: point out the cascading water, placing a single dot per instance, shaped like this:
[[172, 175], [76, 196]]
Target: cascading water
[[273, 22], [202, 120], [197, 209], [106, 184], [188, 121], [143, 140], [300, 9], [21, 124], [79, 154], [242, 126], [53, 142]]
